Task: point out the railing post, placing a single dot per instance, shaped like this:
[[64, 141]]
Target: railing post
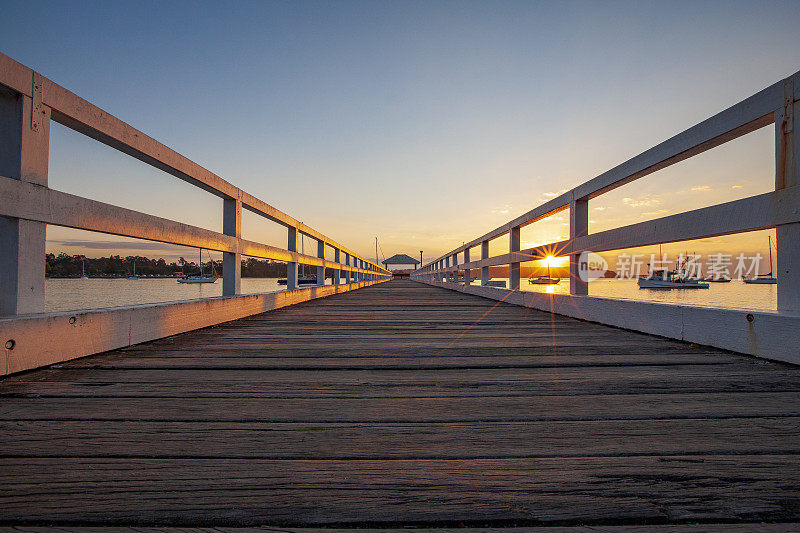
[[321, 269], [513, 267], [484, 269], [291, 266], [787, 174], [447, 265], [347, 277], [232, 261], [466, 270], [25, 142], [337, 273], [578, 227]]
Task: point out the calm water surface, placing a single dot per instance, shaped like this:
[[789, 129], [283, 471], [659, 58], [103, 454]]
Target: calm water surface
[[735, 294], [73, 294]]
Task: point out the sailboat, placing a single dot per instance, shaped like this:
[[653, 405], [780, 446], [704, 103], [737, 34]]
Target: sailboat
[[133, 275], [768, 278], [544, 280], [83, 268], [664, 278], [201, 278]]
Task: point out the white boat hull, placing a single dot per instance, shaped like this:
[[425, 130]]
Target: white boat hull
[[762, 281], [543, 281], [668, 284]]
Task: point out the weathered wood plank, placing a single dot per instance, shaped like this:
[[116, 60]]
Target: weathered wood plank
[[184, 360], [529, 491], [370, 440], [706, 527], [470, 406]]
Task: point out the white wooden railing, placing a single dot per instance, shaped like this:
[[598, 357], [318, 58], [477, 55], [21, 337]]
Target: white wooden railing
[[758, 333], [28, 103]]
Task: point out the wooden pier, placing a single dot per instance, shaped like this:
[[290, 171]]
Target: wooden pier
[[402, 404]]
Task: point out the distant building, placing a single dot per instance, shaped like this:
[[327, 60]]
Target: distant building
[[403, 264]]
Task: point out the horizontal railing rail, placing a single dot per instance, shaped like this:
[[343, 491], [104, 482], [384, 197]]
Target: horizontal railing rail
[[29, 101], [778, 209]]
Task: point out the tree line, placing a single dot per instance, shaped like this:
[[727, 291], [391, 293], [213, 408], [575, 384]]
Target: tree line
[[115, 266]]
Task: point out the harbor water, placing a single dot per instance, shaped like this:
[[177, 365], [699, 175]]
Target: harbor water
[[75, 294]]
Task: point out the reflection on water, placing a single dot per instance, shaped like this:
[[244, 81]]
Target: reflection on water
[[735, 294], [73, 294]]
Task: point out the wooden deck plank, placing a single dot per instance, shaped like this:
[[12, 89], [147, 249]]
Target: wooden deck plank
[[469, 406], [250, 492], [402, 404], [763, 527], [392, 440], [185, 360]]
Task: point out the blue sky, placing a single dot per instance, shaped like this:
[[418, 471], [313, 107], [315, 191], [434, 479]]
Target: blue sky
[[424, 123]]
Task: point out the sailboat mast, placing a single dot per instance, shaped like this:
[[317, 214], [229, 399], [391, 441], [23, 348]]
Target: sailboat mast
[[769, 243], [376, 250]]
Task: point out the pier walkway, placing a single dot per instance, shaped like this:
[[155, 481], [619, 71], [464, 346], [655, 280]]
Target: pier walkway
[[402, 403]]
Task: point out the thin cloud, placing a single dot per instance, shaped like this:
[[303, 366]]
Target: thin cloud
[[551, 194], [701, 188], [736, 187], [647, 201]]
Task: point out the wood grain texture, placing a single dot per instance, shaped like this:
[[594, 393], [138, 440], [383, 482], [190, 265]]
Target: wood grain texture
[[664, 528], [404, 404]]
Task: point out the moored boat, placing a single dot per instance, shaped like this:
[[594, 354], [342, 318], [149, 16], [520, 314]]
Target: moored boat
[[768, 278], [543, 280], [663, 278], [201, 278]]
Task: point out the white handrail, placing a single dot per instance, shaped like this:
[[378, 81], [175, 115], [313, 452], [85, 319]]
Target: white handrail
[[29, 101]]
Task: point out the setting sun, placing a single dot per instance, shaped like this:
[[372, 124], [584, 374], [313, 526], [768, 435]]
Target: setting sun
[[553, 261]]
